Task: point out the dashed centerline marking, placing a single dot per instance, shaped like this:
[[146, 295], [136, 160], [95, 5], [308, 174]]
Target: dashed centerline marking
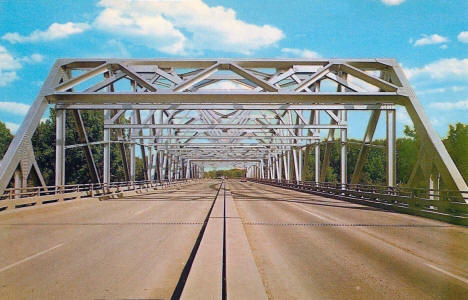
[[29, 258]]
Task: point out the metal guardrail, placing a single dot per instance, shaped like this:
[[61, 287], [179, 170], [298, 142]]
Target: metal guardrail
[[444, 205], [14, 198]]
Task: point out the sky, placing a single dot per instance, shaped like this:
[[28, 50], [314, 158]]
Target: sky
[[428, 38]]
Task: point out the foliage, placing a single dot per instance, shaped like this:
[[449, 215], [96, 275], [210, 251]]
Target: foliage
[[374, 171], [75, 164], [456, 143], [5, 139], [232, 173]]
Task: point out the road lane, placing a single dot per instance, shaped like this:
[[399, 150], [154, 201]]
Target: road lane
[[310, 247], [135, 247]]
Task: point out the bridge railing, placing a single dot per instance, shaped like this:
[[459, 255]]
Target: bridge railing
[[445, 205], [29, 196]]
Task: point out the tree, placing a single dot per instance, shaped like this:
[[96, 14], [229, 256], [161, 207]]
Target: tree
[[75, 164], [456, 143], [232, 173], [5, 139]]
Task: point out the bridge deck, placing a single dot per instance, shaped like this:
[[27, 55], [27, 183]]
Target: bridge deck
[[304, 246], [134, 247], [311, 247]]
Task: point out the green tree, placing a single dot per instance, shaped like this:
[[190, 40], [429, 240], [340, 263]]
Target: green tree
[[5, 139], [231, 173], [456, 143], [75, 164]]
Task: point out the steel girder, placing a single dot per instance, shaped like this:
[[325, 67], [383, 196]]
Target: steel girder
[[265, 111]]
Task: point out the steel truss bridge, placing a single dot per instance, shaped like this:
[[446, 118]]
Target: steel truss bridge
[[180, 116], [175, 235]]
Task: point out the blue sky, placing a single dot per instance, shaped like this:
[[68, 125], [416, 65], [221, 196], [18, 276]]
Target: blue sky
[[429, 38]]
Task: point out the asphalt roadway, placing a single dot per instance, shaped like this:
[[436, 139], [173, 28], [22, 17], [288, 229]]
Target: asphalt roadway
[[303, 246], [311, 247], [130, 248]]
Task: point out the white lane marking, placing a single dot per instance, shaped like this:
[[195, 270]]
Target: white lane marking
[[427, 264], [311, 213], [29, 258], [142, 211], [447, 273]]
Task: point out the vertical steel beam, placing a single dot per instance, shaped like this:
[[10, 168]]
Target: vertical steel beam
[[327, 151], [391, 145], [280, 166], [169, 166], [296, 165], [122, 149], [187, 171], [164, 165], [18, 183], [344, 150], [107, 168], [60, 117], [317, 148], [262, 166], [285, 166], [132, 149], [142, 148], [270, 175], [150, 163], [300, 164], [316, 121]]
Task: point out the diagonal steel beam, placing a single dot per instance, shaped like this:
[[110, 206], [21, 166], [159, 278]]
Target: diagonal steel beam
[[137, 78], [249, 76], [197, 78], [380, 83], [314, 78], [81, 78], [368, 136], [88, 153]]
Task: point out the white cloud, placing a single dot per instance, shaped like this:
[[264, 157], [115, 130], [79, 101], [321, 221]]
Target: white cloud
[[437, 121], [33, 58], [12, 126], [455, 88], [14, 108], [118, 48], [430, 40], [306, 53], [402, 116], [393, 2], [463, 36], [8, 67], [459, 105], [54, 32], [184, 26], [432, 91], [445, 68]]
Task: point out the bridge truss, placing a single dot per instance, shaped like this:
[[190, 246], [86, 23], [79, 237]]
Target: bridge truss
[[182, 115]]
